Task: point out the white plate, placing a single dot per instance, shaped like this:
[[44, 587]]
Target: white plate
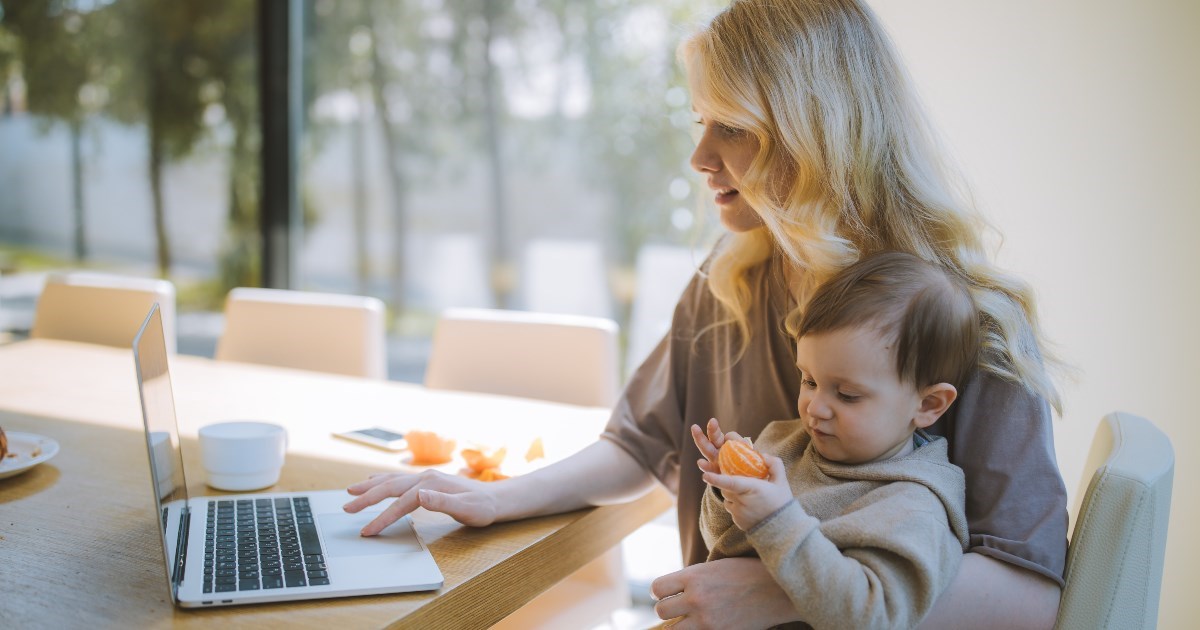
[[31, 449]]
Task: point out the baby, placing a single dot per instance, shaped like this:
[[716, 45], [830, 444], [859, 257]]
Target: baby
[[861, 517]]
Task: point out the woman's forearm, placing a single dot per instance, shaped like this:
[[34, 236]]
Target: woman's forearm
[[601, 474], [990, 593]]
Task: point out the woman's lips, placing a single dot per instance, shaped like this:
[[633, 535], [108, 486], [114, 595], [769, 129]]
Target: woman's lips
[[726, 195]]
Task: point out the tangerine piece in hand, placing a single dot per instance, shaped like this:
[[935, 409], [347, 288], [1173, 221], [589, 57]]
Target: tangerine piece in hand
[[737, 457], [429, 448]]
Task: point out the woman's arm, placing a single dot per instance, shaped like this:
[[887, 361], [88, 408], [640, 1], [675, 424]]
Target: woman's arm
[[990, 593], [600, 474], [740, 593]]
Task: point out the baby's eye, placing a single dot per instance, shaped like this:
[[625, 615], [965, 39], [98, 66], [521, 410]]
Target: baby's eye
[[848, 397], [807, 382]]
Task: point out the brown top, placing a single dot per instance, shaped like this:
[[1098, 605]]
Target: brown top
[[999, 432]]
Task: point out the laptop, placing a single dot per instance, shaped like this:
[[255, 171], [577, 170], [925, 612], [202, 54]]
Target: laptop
[[257, 548]]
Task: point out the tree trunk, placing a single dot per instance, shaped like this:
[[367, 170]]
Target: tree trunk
[[358, 165], [163, 248], [77, 189], [395, 171], [502, 267]]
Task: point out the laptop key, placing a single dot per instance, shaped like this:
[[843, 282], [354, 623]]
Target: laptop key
[[321, 581], [225, 588], [248, 585], [293, 578], [272, 582]]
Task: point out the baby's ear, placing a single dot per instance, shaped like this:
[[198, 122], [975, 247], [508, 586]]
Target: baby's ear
[[935, 400]]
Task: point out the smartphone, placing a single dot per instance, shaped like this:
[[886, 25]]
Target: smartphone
[[378, 437]]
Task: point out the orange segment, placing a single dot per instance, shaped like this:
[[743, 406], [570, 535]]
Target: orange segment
[[429, 448], [739, 458], [480, 460], [536, 450]]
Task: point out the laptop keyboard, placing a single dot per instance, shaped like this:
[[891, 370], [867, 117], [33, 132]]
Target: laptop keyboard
[[259, 544]]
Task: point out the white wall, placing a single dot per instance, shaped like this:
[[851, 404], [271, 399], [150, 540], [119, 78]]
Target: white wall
[[1077, 123]]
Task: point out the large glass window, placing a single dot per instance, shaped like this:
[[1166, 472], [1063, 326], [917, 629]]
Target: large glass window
[[513, 154], [129, 143]]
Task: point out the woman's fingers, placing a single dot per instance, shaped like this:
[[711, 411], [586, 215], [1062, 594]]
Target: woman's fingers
[[667, 585], [376, 489], [370, 482], [394, 512]]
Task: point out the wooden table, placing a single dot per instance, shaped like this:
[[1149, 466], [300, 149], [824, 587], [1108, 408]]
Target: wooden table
[[78, 542]]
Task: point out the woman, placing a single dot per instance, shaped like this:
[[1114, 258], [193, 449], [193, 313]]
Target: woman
[[817, 153]]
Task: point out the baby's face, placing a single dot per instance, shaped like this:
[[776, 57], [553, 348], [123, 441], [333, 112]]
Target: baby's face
[[852, 401]]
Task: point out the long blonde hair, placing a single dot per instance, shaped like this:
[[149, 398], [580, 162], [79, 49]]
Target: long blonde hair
[[820, 87]]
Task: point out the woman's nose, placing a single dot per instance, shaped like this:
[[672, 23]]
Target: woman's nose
[[703, 159]]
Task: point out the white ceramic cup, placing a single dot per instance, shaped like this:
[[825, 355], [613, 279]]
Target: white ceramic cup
[[242, 455]]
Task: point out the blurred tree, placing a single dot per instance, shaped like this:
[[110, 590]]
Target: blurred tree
[[161, 80], [55, 40], [9, 57]]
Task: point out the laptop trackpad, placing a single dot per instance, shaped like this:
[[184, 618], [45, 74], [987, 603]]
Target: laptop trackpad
[[340, 531]]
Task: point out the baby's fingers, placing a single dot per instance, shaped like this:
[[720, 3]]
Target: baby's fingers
[[707, 449], [714, 433]]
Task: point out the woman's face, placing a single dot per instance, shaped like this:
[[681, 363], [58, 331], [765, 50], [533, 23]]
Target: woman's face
[[723, 155]]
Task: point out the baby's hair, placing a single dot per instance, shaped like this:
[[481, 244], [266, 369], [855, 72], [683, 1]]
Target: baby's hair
[[922, 310]]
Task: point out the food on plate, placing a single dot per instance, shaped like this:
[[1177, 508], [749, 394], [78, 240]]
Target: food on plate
[[3, 444], [479, 460], [488, 474], [536, 450], [738, 457], [429, 448]]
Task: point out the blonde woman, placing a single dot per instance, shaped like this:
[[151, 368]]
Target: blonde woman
[[818, 154]]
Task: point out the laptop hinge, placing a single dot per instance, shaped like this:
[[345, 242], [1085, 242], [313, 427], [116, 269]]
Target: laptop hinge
[[181, 540]]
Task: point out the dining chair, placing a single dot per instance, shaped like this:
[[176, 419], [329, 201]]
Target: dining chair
[[561, 358], [565, 276], [323, 332], [662, 273], [1115, 556], [548, 356], [101, 308]]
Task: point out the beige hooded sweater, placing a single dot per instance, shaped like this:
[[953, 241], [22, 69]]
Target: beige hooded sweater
[[861, 546]]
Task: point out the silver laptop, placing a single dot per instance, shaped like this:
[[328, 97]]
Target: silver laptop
[[255, 548]]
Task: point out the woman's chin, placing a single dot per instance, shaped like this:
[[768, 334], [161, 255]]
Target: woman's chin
[[740, 218]]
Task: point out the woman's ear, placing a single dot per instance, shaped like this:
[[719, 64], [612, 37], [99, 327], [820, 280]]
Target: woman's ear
[[935, 400]]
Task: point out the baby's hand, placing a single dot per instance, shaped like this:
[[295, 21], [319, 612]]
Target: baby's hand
[[750, 500], [709, 445]]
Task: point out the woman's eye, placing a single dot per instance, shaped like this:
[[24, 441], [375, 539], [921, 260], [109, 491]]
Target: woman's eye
[[728, 130]]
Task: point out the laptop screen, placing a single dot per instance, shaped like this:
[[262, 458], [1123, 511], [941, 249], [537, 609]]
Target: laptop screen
[[158, 414]]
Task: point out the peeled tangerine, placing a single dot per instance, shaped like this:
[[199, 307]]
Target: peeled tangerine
[[479, 460], [429, 448], [738, 457]]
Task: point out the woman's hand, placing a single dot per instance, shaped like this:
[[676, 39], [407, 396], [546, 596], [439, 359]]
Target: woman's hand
[[726, 593], [467, 501], [750, 500]]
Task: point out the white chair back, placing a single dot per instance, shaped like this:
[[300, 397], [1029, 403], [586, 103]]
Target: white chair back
[[1115, 558], [560, 358], [565, 276], [663, 272], [101, 308], [323, 332]]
